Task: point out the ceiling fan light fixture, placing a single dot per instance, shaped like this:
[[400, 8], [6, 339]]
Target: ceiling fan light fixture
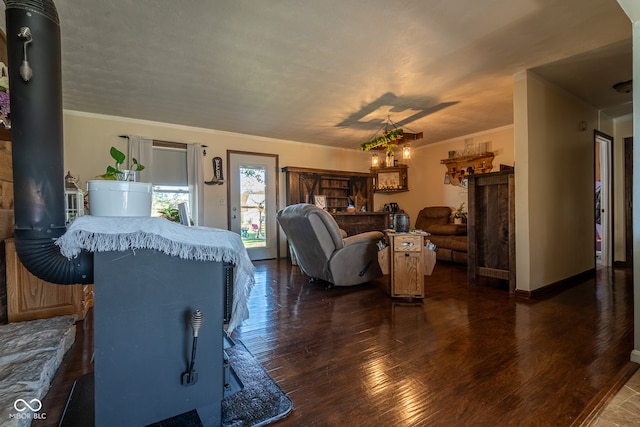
[[392, 137], [624, 87]]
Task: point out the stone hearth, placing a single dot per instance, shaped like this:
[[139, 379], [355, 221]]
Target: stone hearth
[[30, 353]]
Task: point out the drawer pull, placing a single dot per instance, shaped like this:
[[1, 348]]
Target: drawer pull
[[407, 243], [406, 254]]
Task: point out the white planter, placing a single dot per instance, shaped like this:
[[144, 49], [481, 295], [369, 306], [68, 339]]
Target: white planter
[[119, 198], [457, 220]]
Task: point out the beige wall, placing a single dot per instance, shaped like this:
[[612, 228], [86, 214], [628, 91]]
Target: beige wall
[[554, 183], [88, 137], [623, 128], [632, 9], [426, 173]]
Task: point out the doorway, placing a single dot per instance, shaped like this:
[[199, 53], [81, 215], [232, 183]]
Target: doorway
[[603, 199], [253, 202]]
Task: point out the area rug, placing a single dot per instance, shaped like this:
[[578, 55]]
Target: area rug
[[259, 403]]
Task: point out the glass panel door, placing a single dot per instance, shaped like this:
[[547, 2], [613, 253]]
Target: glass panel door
[[253, 202]]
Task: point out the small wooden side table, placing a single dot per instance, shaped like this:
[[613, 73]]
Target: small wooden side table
[[407, 264]]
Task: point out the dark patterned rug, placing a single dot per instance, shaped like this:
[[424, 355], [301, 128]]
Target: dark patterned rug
[[260, 402]]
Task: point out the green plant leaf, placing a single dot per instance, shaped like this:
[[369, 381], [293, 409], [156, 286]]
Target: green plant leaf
[[107, 176], [117, 155], [136, 166], [383, 140]]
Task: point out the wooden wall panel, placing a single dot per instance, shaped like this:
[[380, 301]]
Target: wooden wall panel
[[6, 168], [491, 227], [6, 190], [29, 297]]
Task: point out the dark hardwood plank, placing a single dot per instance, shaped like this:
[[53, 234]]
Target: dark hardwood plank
[[462, 356]]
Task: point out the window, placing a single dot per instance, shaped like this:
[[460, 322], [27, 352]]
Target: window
[[169, 177], [252, 196], [168, 196]]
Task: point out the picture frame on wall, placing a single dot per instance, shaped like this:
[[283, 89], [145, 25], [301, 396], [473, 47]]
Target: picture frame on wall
[[389, 180], [320, 201]]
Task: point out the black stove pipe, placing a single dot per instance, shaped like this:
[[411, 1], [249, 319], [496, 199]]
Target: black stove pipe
[[37, 142]]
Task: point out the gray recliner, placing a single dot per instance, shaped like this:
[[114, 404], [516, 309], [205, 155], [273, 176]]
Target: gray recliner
[[323, 253]]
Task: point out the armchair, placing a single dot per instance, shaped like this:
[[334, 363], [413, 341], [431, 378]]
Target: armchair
[[450, 239], [321, 250]]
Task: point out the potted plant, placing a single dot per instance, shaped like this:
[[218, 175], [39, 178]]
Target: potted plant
[[116, 172], [117, 193], [459, 215]]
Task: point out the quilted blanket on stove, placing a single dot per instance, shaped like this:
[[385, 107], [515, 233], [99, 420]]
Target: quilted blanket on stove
[[101, 234]]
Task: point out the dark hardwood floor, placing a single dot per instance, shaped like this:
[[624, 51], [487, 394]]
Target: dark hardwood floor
[[464, 356]]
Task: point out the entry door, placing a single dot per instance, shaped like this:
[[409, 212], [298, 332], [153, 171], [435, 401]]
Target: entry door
[[253, 202]]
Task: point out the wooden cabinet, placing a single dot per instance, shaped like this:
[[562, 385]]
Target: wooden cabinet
[[407, 265], [390, 180], [338, 188], [359, 222], [6, 211], [29, 297], [491, 227], [6, 185]]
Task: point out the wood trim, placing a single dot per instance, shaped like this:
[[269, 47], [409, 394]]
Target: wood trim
[[610, 190], [169, 144], [277, 186], [324, 171], [29, 297], [621, 264], [160, 143], [599, 402], [559, 286], [3, 285], [628, 201]]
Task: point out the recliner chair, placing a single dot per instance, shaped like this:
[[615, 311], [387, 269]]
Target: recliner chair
[[323, 253]]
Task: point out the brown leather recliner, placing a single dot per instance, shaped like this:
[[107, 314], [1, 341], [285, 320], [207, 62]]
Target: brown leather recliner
[[450, 239], [323, 253]]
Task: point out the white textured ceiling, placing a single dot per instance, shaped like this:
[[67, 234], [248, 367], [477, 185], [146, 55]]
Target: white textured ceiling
[[331, 71]]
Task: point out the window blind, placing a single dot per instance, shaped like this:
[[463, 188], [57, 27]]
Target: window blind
[[169, 166]]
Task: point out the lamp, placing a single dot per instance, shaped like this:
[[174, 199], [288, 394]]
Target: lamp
[[74, 198], [392, 136], [375, 160], [406, 151]]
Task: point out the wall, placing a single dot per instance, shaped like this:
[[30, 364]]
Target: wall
[[426, 173], [88, 137], [632, 9], [554, 183], [623, 128]]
